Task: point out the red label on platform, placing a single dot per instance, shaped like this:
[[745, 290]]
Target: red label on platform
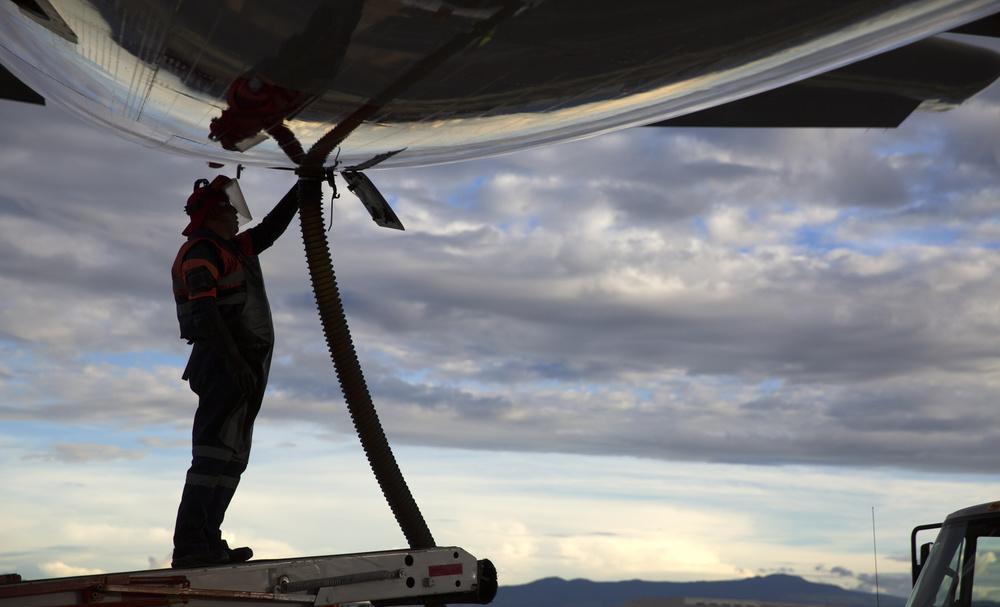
[[439, 570]]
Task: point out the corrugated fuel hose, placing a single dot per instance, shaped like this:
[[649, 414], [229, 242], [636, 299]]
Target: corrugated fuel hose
[[359, 400], [312, 172], [331, 310], [352, 380]]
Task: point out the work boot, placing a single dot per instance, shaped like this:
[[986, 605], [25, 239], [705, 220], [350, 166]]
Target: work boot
[[201, 556], [236, 555], [216, 513]]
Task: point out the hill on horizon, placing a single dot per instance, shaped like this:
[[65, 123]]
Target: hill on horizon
[[778, 588]]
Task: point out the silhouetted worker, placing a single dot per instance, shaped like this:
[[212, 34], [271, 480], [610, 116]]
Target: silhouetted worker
[[222, 309]]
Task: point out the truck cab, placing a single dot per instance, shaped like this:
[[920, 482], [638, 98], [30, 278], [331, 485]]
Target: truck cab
[[961, 568]]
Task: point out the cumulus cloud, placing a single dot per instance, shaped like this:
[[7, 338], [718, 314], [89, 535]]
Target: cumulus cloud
[[741, 296], [103, 393], [836, 571]]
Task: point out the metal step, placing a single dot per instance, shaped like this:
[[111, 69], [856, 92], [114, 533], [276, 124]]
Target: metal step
[[393, 577]]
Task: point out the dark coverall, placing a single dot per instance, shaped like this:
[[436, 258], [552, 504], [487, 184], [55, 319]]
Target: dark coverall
[[211, 272]]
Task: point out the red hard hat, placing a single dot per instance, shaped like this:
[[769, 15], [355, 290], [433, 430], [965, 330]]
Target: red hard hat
[[205, 200]]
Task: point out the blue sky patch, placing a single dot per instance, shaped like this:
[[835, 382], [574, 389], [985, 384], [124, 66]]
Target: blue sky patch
[[467, 196]]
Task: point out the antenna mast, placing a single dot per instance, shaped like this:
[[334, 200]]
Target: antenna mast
[[875, 557]]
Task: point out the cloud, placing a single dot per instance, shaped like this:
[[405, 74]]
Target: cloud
[[836, 570], [775, 297], [156, 442], [67, 392], [775, 570], [733, 518], [71, 453], [61, 569], [897, 584], [723, 316]]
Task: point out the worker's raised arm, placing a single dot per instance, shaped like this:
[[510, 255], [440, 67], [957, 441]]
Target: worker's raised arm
[[274, 223]]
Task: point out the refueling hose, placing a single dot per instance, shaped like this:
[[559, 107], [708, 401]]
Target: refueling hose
[[311, 172], [352, 380]]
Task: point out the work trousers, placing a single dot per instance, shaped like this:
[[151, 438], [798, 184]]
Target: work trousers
[[221, 437]]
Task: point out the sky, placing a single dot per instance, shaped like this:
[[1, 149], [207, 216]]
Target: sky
[[666, 354]]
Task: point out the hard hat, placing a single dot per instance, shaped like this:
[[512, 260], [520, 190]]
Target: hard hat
[[208, 198]]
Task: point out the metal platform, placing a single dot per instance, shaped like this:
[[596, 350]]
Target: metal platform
[[394, 577]]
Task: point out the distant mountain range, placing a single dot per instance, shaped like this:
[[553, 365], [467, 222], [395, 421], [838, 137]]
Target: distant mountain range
[[557, 592]]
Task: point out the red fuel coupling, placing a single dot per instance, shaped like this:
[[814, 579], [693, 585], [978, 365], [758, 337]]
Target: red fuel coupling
[[254, 105]]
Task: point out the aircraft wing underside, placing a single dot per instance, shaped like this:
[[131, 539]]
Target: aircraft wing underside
[[212, 78], [879, 92]]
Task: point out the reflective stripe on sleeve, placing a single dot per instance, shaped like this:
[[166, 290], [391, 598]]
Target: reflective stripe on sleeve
[[226, 300], [202, 294], [193, 264]]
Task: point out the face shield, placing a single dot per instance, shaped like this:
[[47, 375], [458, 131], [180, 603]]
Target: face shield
[[235, 195]]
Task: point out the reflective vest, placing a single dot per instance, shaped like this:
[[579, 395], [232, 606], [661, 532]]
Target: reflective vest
[[239, 293]]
